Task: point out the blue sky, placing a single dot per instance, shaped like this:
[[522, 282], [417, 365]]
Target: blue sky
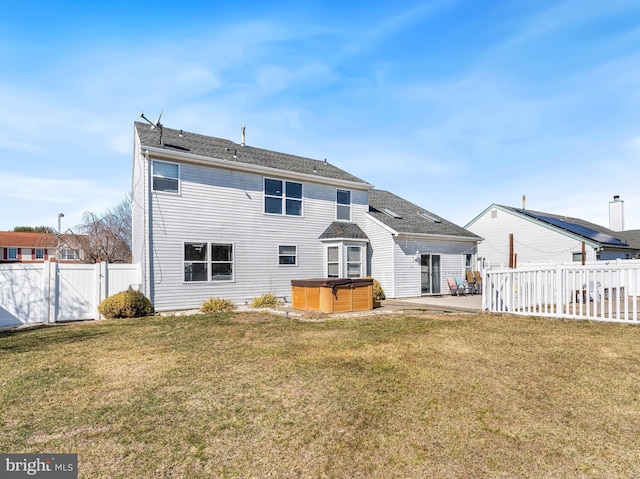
[[451, 104]]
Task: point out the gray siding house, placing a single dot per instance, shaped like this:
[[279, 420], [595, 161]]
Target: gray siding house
[[214, 218]]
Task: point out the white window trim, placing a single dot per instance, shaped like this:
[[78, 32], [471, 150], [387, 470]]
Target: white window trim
[[15, 254], [69, 254], [282, 198], [295, 255], [176, 193], [350, 205], [326, 259], [233, 262], [209, 261], [361, 262], [41, 253], [205, 261]]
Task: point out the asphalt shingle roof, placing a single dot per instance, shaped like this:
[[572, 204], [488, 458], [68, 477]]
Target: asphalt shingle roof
[[341, 229], [409, 220], [631, 237], [208, 146], [28, 240]]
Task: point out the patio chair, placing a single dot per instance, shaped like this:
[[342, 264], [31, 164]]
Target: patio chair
[[461, 284], [471, 282], [478, 277], [454, 288]]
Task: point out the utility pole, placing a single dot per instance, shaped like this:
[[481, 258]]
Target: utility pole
[[60, 216]]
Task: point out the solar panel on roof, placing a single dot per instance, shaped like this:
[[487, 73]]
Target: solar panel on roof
[[580, 230]]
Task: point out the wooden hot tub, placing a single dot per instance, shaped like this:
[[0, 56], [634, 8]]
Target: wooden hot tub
[[332, 295]]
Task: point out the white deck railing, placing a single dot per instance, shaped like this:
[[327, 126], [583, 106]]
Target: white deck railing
[[603, 291]]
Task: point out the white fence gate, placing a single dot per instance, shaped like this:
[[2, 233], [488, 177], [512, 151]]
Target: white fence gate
[[51, 292], [603, 291]]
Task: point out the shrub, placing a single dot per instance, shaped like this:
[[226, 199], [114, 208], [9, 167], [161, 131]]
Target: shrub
[[126, 304], [378, 292], [268, 300], [217, 305]]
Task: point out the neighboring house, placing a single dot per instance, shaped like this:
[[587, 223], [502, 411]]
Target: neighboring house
[[413, 251], [213, 218], [544, 237], [18, 247]]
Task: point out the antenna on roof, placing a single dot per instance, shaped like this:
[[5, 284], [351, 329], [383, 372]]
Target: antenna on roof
[[154, 124]]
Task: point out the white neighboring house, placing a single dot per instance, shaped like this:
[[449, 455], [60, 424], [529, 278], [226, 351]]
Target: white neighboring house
[[544, 237], [214, 218]]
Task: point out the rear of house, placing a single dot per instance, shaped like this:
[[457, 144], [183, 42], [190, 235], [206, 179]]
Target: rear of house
[[414, 251], [213, 218]]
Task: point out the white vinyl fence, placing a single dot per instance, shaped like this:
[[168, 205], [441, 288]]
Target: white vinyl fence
[[603, 291], [51, 292]]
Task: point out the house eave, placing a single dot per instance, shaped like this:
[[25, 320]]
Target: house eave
[[161, 153], [338, 240]]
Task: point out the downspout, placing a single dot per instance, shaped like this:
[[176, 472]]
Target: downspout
[[147, 227]]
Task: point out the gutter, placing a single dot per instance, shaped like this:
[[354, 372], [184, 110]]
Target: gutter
[[442, 237]]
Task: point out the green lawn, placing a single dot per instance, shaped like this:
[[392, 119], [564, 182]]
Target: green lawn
[[254, 395]]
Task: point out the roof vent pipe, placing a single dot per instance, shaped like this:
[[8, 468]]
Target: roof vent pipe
[[242, 136], [616, 214]]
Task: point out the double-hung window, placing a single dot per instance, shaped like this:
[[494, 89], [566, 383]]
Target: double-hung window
[[333, 262], [221, 262], [282, 197], [69, 254], [208, 262], [195, 262], [39, 253], [12, 253], [287, 255], [166, 177], [354, 261], [343, 205]]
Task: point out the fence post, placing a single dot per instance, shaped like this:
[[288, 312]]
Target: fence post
[[53, 292], [46, 297], [559, 293], [104, 284], [486, 290]]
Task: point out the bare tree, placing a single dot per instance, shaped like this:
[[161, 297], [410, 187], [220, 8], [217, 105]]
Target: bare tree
[[105, 237]]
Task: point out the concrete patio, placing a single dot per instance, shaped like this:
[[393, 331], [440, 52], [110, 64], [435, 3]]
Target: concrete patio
[[468, 303]]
